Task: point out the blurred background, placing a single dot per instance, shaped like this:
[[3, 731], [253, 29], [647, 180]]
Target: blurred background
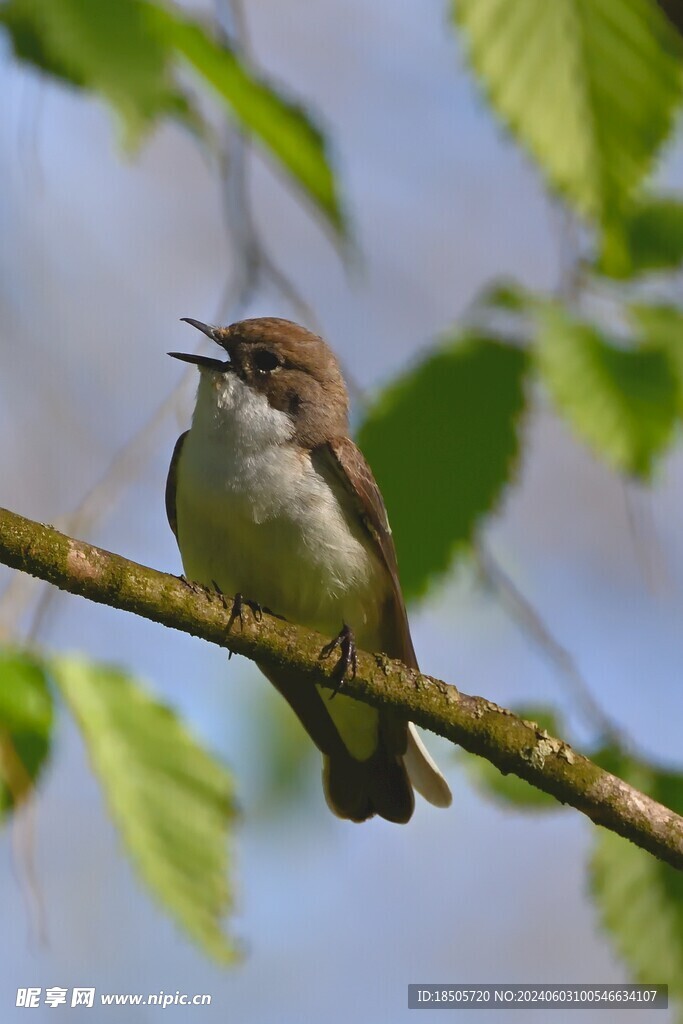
[[102, 254]]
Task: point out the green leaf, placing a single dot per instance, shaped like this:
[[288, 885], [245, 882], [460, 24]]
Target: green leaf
[[623, 402], [122, 49], [510, 790], [29, 44], [443, 441], [107, 47], [25, 725], [507, 296], [171, 800], [640, 899], [590, 89], [284, 128], [652, 237], [661, 326]]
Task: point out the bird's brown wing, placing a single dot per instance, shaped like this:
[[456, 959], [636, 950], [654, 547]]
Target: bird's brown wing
[[171, 483], [356, 476], [396, 736]]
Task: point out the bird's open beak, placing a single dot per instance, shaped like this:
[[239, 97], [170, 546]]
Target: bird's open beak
[[206, 362], [207, 329]]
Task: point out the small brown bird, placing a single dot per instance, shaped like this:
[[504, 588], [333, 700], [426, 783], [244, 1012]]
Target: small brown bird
[[268, 497]]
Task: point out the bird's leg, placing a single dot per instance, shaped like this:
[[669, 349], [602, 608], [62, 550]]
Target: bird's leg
[[238, 603], [348, 656], [256, 610]]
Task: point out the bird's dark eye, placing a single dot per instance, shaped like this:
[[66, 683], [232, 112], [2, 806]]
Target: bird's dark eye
[[265, 361]]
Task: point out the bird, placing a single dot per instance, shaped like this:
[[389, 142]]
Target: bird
[[268, 497]]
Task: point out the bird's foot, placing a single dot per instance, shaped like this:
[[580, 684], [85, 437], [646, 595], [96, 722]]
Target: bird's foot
[[348, 656], [238, 605]]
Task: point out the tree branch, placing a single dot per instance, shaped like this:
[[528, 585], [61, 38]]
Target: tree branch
[[478, 725]]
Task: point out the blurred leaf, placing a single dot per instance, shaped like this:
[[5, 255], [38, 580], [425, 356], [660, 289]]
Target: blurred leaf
[[282, 127], [640, 899], [505, 295], [443, 441], [21, 19], [662, 327], [171, 800], [510, 789], [660, 324], [652, 233], [121, 49], [107, 47], [25, 725], [623, 402], [589, 88]]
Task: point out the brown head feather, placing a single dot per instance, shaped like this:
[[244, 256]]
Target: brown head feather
[[296, 369]]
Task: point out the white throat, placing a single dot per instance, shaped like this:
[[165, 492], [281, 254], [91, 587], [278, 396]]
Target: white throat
[[228, 407]]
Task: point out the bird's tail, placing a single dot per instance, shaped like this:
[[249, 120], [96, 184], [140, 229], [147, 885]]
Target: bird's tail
[[359, 789], [383, 784], [423, 772]]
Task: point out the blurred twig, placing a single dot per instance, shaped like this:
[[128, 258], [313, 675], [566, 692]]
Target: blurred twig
[[570, 280], [530, 621], [123, 468], [650, 557], [254, 266]]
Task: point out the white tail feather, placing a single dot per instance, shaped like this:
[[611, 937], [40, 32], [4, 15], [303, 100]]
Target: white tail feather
[[423, 773]]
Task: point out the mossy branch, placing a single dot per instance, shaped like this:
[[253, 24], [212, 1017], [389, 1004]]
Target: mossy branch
[[478, 725]]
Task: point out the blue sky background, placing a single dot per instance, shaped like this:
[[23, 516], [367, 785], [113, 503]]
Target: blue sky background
[[98, 260]]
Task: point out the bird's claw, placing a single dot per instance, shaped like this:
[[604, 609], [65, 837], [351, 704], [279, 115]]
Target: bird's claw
[[237, 612], [196, 588], [348, 656]]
